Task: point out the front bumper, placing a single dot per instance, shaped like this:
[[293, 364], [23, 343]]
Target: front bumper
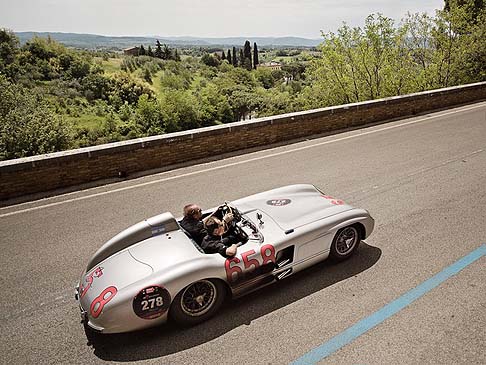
[[84, 314]]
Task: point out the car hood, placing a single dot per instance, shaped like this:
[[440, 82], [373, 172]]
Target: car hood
[[293, 206]]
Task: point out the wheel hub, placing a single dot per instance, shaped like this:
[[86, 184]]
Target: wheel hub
[[200, 299]]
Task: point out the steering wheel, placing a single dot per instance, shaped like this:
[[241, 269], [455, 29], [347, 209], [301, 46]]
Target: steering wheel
[[227, 209]]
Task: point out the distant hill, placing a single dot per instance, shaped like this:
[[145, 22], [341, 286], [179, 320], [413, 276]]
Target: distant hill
[[93, 41]]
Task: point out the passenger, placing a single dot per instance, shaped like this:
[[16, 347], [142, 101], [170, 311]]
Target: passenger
[[214, 242], [193, 224]]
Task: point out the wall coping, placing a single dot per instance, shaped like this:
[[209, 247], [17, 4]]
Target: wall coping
[[145, 142]]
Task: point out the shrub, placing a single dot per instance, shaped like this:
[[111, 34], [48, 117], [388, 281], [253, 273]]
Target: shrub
[[27, 125]]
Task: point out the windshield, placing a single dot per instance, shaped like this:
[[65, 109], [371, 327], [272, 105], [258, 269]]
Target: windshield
[[250, 229]]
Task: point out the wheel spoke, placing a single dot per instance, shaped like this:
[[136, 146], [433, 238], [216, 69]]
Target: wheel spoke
[[198, 298]]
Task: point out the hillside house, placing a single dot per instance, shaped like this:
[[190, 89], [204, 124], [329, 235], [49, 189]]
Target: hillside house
[[271, 65], [132, 51]]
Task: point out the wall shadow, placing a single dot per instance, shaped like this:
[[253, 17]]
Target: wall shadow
[[168, 339]]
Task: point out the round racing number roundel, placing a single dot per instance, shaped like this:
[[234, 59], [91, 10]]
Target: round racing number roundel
[[151, 302], [278, 202]]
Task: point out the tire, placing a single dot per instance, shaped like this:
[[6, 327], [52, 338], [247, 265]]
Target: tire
[[345, 242], [197, 302]]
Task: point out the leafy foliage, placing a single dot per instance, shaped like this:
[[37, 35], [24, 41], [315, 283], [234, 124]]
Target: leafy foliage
[[54, 98], [28, 126]]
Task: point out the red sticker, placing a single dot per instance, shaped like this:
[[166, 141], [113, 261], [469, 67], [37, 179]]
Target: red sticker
[[101, 300], [333, 200], [253, 264], [98, 272]]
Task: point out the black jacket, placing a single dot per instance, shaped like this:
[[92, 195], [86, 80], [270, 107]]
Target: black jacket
[[195, 228], [217, 244]]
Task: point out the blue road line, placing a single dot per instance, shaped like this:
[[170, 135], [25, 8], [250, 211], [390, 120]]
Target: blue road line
[[388, 310]]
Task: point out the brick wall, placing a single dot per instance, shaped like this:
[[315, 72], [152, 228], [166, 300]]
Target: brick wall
[[62, 169]]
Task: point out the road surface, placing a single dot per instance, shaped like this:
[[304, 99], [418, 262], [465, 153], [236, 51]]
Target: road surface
[[424, 181]]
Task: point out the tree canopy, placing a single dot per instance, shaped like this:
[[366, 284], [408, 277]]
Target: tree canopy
[[54, 98]]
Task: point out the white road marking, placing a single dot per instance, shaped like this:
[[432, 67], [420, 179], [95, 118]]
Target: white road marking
[[428, 118]]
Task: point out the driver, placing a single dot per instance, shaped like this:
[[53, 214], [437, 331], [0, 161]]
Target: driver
[[215, 242], [192, 222]]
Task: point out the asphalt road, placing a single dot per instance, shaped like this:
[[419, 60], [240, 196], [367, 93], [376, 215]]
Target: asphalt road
[[423, 180]]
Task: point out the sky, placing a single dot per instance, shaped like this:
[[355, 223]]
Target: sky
[[200, 18]]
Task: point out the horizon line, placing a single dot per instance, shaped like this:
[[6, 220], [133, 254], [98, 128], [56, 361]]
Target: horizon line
[[163, 36]]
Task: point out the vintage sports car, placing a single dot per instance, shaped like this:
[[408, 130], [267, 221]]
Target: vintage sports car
[[154, 271]]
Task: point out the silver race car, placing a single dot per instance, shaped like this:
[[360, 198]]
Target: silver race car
[[154, 270]]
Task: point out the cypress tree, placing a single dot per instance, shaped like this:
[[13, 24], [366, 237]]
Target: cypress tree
[[150, 52], [166, 52], [223, 55], [255, 56], [241, 61], [158, 50], [141, 51], [228, 57], [247, 56], [235, 61]]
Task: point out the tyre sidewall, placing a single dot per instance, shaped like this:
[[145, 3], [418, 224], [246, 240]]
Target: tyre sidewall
[[177, 314], [334, 254]]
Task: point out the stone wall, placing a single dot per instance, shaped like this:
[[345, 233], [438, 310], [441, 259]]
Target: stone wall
[[63, 169]]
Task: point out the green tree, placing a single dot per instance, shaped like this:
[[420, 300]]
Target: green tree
[[474, 8], [141, 50], [79, 68], [229, 58], [158, 50], [27, 125], [255, 56], [96, 86], [148, 116], [150, 53], [9, 49], [210, 60], [266, 77], [419, 43], [178, 110], [176, 55], [213, 107], [147, 76], [247, 56], [241, 59], [234, 58], [458, 56], [166, 53], [128, 89]]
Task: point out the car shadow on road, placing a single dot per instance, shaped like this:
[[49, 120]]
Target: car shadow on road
[[169, 339]]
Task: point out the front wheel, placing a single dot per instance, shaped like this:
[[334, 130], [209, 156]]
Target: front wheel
[[344, 243], [197, 302]]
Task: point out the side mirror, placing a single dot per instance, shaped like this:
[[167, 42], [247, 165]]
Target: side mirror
[[259, 217]]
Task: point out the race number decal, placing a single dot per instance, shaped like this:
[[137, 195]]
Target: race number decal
[[250, 265], [100, 301], [278, 202], [151, 302], [98, 272], [333, 201]]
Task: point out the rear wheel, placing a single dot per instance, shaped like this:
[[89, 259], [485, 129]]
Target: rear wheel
[[344, 243], [197, 302]]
